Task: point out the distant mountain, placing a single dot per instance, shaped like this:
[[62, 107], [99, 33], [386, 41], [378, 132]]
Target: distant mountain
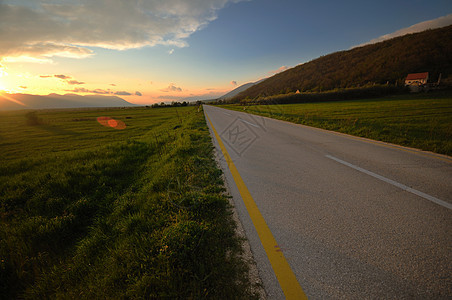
[[386, 62], [196, 98], [26, 101], [213, 97], [238, 90]]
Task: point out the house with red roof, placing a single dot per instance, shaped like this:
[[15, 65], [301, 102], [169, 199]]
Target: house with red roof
[[416, 79]]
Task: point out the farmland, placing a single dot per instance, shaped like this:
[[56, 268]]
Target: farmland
[[422, 121], [117, 203]]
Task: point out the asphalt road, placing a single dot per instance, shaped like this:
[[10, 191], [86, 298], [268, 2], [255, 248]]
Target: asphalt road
[[354, 218]]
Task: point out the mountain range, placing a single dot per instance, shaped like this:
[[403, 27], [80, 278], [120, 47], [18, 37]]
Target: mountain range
[[26, 101]]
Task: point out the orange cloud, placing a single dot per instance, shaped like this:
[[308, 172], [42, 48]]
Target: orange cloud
[[95, 91], [74, 82], [123, 93], [62, 76], [279, 70], [172, 88]]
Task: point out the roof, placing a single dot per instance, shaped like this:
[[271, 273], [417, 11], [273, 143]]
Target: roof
[[416, 76]]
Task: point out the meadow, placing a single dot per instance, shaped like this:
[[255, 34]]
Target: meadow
[[422, 121], [115, 203]]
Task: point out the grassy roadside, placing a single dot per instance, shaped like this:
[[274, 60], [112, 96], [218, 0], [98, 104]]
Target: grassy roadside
[[89, 211], [422, 121]]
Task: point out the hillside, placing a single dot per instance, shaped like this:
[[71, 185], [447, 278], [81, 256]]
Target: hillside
[[387, 61], [26, 101], [239, 89]]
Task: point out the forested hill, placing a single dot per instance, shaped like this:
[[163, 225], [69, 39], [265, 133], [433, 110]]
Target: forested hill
[[391, 60]]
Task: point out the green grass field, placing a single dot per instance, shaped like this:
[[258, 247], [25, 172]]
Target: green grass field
[[90, 211], [422, 121]]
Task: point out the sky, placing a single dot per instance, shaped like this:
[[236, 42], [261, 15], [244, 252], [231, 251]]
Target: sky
[[149, 51]]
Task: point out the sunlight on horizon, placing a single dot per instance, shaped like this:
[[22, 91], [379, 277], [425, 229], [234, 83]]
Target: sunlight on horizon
[[11, 99], [4, 87], [2, 74], [4, 82]]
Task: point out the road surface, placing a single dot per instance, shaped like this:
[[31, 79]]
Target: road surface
[[352, 218]]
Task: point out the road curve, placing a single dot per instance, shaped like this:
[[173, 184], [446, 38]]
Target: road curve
[[354, 218]]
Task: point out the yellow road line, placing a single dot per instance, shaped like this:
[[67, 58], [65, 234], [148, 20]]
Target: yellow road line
[[285, 275]]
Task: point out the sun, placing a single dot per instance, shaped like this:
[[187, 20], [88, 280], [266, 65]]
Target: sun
[[3, 87], [3, 76]]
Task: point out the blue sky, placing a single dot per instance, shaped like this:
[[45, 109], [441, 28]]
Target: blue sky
[[282, 32], [172, 49]]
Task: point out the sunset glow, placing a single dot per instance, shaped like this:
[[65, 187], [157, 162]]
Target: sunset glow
[[6, 97], [161, 51], [3, 74]]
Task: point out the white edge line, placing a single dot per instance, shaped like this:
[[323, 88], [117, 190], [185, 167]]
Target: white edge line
[[395, 183], [250, 123], [227, 114]]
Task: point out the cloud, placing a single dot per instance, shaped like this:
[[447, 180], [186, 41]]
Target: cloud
[[80, 90], [39, 52], [175, 98], [172, 88], [192, 97], [279, 70], [74, 82], [100, 91], [234, 83], [112, 84], [138, 93], [96, 91], [38, 30], [123, 93], [62, 76], [422, 26]]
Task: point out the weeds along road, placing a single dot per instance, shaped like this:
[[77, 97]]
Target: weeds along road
[[348, 217]]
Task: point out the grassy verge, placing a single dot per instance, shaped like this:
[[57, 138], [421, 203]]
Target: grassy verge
[[422, 121], [89, 211]]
